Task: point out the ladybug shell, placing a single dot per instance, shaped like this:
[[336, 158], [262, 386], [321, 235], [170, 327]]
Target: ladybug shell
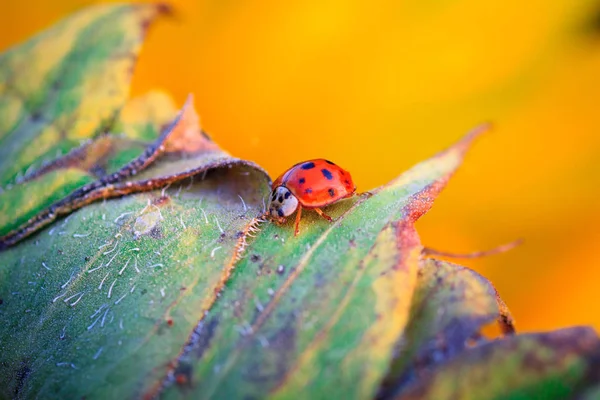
[[317, 183]]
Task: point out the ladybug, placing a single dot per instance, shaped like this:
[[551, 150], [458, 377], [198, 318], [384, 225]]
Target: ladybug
[[309, 184]]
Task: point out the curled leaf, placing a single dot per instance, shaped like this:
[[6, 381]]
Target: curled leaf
[[449, 307], [45, 191], [554, 365]]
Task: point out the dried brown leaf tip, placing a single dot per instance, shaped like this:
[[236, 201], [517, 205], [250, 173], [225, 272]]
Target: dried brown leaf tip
[[188, 136]]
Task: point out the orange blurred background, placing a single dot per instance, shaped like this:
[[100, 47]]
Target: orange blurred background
[[378, 86]]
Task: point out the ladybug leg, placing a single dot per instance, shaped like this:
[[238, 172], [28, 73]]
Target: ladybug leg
[[298, 216], [322, 214]]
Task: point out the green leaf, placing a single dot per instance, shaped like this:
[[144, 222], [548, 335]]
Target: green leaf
[[67, 84], [98, 304], [450, 306], [92, 164], [78, 280], [555, 365], [297, 307], [165, 278]]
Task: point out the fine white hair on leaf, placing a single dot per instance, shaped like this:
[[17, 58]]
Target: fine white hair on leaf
[[58, 297], [102, 281], [120, 298], [111, 288], [67, 282], [205, 216], [113, 249], [94, 269], [98, 353], [243, 203], [65, 363], [104, 318], [98, 310], [212, 253], [76, 301], [164, 189], [122, 216], [123, 269], [181, 220], [111, 260], [70, 297], [81, 235], [45, 266], [219, 225], [94, 323]]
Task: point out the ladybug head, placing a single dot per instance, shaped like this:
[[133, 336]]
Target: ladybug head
[[283, 202]]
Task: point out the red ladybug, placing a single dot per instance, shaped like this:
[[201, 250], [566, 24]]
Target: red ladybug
[[310, 184]]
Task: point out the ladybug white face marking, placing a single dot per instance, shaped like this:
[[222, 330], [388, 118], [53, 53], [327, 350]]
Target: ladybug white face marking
[[283, 202]]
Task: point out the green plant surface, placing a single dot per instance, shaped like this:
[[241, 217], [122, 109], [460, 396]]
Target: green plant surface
[[553, 365], [67, 84], [141, 263]]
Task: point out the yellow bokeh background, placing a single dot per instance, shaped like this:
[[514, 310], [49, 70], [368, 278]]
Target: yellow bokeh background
[[378, 86]]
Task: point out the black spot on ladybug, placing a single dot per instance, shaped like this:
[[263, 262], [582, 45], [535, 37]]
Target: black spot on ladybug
[[280, 213], [331, 192], [301, 181], [287, 195], [346, 181], [327, 174], [273, 196], [329, 162], [280, 199], [308, 191], [308, 165]]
